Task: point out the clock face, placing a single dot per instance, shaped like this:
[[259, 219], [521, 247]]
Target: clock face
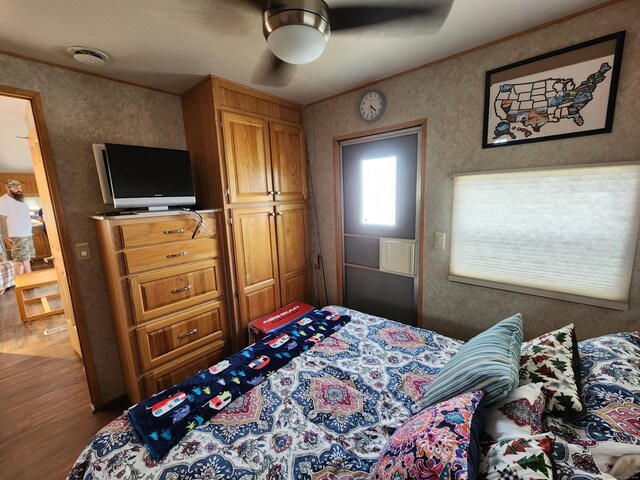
[[372, 105]]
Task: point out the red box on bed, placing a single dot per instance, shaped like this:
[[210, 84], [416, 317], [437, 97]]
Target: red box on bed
[[278, 319]]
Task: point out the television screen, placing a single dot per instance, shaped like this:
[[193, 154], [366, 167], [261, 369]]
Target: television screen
[[144, 176]]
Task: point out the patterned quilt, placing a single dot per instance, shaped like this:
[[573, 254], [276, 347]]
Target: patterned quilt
[[163, 419], [328, 413], [609, 433], [7, 276]]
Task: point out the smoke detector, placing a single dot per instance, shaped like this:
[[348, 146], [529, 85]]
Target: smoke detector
[[90, 56]]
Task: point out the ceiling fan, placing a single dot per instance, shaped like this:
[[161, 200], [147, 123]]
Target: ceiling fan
[[297, 31]]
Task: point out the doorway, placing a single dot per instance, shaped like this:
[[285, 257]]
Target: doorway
[[381, 210], [37, 307], [47, 378]]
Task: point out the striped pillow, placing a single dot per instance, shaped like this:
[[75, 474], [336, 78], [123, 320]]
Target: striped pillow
[[489, 361]]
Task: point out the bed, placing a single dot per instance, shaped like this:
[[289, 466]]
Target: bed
[[335, 411]]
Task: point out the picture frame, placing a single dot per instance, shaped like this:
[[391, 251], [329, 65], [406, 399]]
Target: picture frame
[[562, 94]]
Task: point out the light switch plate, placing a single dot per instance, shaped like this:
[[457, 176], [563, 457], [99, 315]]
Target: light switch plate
[[82, 251], [441, 241]]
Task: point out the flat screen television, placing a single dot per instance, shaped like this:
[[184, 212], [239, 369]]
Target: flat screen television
[[144, 177]]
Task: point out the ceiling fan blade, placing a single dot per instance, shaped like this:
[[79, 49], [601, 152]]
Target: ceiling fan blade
[[256, 4], [261, 4], [273, 72], [349, 18]]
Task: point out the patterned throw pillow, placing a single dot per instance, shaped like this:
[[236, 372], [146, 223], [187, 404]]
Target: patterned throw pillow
[[549, 359], [489, 362], [520, 458], [518, 415], [439, 442]]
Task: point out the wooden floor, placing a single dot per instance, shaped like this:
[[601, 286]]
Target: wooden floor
[[16, 334], [45, 412]]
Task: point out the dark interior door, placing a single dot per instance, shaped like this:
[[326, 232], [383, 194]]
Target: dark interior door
[[379, 179]]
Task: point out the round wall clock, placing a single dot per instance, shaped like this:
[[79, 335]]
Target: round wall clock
[[372, 105]]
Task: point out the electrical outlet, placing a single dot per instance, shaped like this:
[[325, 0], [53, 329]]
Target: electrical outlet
[[441, 241], [82, 251]]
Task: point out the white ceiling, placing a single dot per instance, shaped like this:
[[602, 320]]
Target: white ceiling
[[171, 44]]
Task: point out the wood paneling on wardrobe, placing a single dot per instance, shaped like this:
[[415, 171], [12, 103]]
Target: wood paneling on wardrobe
[[248, 157]]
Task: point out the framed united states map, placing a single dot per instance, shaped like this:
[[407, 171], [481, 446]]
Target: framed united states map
[[565, 93]]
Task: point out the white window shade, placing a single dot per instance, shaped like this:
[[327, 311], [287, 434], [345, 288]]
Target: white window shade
[[567, 232]]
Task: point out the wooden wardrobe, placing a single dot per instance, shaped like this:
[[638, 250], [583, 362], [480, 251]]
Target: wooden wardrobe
[[248, 157]]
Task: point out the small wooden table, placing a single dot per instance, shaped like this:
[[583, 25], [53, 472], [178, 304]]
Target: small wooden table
[[28, 281]]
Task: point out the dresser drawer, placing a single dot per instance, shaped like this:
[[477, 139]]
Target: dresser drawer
[[162, 256], [165, 291], [190, 364], [172, 337], [156, 232]]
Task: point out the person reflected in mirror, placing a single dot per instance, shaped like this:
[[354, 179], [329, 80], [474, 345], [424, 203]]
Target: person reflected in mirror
[[15, 221]]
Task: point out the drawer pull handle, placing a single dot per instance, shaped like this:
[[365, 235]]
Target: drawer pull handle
[[279, 214], [276, 192], [183, 289], [173, 255], [167, 232], [188, 334], [271, 214]]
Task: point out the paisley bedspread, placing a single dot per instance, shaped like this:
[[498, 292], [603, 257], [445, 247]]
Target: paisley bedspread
[[610, 429], [328, 413]]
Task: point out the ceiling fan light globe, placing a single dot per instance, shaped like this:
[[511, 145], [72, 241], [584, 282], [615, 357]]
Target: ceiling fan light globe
[[297, 44]]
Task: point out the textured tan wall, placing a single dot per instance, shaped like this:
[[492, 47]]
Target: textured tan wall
[[450, 96], [81, 110]]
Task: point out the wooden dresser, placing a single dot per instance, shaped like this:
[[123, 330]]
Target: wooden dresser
[[167, 296]]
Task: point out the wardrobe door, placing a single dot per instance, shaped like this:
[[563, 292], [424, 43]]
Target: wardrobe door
[[288, 161], [247, 157], [293, 252], [254, 240]]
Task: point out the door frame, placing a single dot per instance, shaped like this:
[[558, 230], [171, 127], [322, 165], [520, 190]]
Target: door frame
[[35, 100], [420, 191]]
